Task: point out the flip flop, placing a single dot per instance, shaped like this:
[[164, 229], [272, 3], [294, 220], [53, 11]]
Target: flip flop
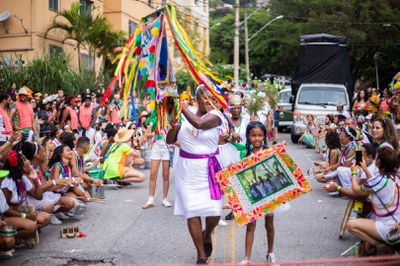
[[147, 206]]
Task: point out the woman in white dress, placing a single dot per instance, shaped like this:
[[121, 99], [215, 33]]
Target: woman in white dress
[[197, 192]]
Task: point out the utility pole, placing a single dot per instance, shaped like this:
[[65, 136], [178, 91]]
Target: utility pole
[[236, 44], [246, 46]]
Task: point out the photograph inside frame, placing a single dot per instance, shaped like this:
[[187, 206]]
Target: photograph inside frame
[[262, 182]]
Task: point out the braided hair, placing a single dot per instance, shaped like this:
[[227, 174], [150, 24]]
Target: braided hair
[[250, 127]]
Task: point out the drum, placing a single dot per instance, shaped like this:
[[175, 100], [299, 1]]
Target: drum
[[97, 173], [308, 139], [97, 192], [8, 231]]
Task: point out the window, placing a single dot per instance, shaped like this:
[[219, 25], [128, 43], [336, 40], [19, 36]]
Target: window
[[87, 62], [149, 2], [132, 27], [284, 96], [54, 49], [86, 6], [54, 5], [196, 2], [322, 96], [163, 2]]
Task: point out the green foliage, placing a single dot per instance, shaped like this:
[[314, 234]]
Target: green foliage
[[47, 75], [10, 73], [184, 80], [256, 102], [93, 33]]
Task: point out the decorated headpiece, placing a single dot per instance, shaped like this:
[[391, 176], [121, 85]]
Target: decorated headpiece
[[235, 100], [348, 133], [13, 158]]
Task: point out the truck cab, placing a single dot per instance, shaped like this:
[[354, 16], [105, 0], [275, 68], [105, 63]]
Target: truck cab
[[318, 99]]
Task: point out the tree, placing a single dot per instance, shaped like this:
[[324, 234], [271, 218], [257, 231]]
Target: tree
[[85, 29]]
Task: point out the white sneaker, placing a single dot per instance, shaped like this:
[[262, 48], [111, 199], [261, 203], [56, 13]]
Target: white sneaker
[[62, 216], [166, 203], [6, 254], [246, 261], [271, 257], [222, 223], [54, 219]]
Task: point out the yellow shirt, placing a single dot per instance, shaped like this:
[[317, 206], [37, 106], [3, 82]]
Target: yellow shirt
[[375, 100]]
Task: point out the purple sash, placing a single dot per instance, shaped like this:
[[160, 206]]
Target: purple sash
[[213, 167]]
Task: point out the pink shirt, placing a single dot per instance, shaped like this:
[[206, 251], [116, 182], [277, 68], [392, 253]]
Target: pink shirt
[[74, 117], [25, 112], [85, 115]]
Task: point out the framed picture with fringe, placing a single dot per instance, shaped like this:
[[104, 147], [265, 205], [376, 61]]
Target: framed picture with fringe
[[262, 183]]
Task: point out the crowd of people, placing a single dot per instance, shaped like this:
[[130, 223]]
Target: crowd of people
[[361, 162], [50, 146]]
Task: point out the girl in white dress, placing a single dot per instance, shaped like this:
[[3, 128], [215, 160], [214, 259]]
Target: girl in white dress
[[197, 192], [256, 141]]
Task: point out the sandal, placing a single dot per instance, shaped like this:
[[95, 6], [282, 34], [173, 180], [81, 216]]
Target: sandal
[[147, 206]]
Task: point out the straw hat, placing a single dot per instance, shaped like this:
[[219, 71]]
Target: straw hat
[[24, 91], [123, 135]]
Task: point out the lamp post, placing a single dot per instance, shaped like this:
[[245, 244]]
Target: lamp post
[[236, 44], [247, 40]]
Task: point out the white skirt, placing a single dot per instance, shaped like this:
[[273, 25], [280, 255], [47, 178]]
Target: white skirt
[[384, 226], [49, 198], [192, 192]]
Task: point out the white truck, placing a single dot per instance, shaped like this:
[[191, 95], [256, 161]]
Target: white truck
[[323, 80], [318, 99]]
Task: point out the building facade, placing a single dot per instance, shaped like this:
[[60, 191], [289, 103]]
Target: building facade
[[23, 33]]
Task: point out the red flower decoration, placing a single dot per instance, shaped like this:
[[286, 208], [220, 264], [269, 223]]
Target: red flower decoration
[[138, 50], [13, 158], [150, 83], [152, 49]]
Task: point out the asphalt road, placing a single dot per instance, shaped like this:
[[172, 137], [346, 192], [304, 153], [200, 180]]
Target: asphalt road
[[121, 232]]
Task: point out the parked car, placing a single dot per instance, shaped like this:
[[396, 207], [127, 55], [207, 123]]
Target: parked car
[[285, 110]]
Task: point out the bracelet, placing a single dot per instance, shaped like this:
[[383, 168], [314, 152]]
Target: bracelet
[[353, 172], [9, 143], [338, 188], [23, 215], [54, 182]]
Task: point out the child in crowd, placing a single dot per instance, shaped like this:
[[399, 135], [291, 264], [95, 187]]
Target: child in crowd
[[256, 141]]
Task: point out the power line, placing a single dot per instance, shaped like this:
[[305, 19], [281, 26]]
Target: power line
[[339, 21]]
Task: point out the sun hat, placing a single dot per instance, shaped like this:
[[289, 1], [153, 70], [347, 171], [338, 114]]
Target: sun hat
[[123, 135], [24, 91], [185, 95]]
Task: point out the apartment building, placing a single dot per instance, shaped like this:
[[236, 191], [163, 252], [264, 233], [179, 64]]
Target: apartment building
[[23, 24]]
